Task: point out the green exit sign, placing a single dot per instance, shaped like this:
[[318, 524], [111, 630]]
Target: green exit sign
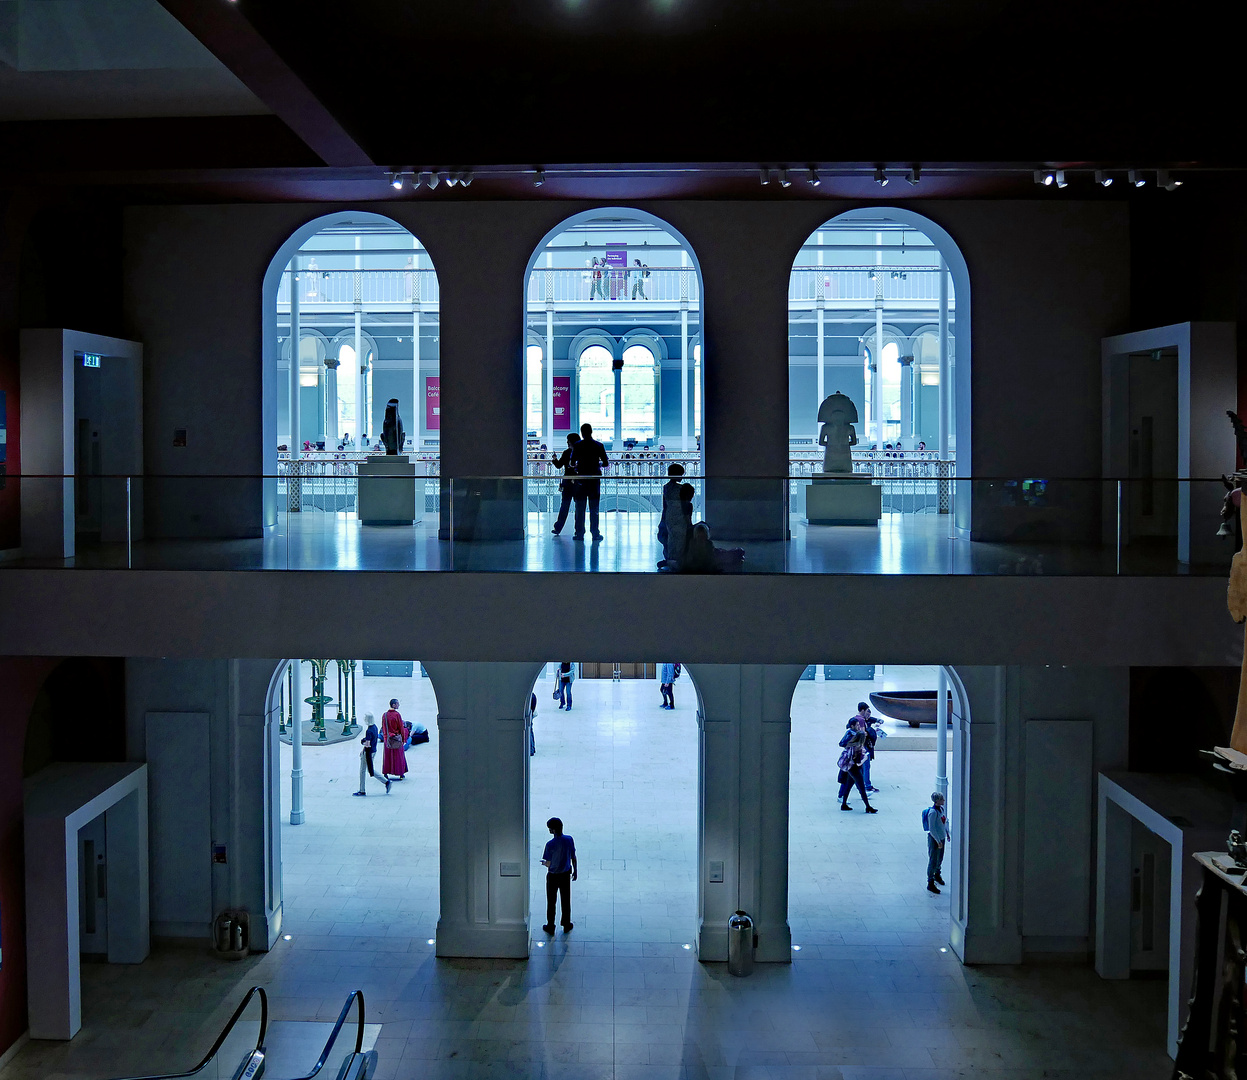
[[90, 360]]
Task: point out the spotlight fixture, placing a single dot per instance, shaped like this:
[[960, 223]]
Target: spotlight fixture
[[815, 180], [1060, 179], [431, 178], [1137, 179], [466, 178], [784, 182], [422, 179], [881, 178], [914, 175], [1163, 179], [764, 175], [452, 179], [1103, 179], [1043, 176], [539, 176], [396, 181]]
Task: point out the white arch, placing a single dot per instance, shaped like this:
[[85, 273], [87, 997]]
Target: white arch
[[651, 339], [595, 336], [269, 353]]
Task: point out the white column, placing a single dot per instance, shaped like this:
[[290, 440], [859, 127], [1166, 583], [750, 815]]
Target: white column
[[820, 306], [744, 725], [331, 407], [942, 716], [548, 354], [946, 391], [296, 335], [418, 406], [907, 396], [483, 786], [296, 747], [618, 443], [361, 414], [684, 352], [876, 376]]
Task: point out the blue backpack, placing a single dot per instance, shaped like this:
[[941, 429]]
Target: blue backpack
[[926, 823]]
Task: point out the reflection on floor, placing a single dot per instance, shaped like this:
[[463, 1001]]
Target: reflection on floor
[[902, 544], [871, 993]]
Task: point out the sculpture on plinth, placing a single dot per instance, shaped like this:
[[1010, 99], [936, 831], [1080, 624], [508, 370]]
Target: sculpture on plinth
[[837, 414], [392, 434]]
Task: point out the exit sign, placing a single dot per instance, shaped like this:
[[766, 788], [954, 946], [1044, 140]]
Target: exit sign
[[90, 360]]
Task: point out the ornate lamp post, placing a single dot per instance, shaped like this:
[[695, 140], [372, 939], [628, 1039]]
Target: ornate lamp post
[[349, 727], [319, 698], [354, 725]]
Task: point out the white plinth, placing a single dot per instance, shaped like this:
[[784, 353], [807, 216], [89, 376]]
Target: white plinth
[[843, 500], [387, 490]]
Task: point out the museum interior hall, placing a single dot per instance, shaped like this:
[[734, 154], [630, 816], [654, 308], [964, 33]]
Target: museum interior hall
[[714, 585]]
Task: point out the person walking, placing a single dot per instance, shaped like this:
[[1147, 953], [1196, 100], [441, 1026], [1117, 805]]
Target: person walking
[[666, 684], [559, 859], [935, 821], [532, 715], [566, 676], [567, 486], [394, 760], [588, 458], [599, 280], [370, 740], [638, 279], [872, 736], [851, 758]]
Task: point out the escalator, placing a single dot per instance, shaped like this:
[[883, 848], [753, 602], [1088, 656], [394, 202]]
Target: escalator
[[255, 1062]]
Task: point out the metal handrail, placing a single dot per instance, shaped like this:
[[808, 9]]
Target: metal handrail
[[333, 1035], [225, 1032]]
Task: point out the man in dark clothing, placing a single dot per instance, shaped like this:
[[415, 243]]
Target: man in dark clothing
[[670, 510], [567, 488], [588, 461], [370, 739], [559, 859]]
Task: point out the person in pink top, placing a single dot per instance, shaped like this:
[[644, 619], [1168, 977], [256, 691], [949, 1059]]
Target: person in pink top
[[394, 763]]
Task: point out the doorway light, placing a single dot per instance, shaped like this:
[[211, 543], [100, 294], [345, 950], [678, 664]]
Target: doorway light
[[1137, 179], [1103, 179]]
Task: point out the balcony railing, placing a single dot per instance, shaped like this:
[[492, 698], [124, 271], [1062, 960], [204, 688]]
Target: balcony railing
[[862, 284], [372, 288]]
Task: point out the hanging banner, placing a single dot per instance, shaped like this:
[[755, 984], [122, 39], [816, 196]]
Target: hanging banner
[[562, 403], [432, 403], [617, 260]]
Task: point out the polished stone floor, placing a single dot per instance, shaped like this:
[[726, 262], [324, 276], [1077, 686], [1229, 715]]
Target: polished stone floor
[[873, 993], [901, 544]]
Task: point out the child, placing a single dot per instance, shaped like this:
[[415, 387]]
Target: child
[[371, 737]]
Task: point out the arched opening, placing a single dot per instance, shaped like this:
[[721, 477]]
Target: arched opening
[[621, 772], [614, 296], [325, 866], [879, 311], [363, 292], [836, 856]]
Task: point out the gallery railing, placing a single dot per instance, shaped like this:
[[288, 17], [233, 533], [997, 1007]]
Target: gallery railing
[[887, 516]]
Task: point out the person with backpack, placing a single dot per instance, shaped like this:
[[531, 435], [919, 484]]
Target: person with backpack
[[666, 686], [935, 822], [566, 676], [638, 279], [851, 757]]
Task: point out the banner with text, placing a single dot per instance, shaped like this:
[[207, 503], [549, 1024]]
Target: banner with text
[[562, 403], [432, 402]]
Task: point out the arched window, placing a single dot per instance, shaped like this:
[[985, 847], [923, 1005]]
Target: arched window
[[639, 398], [534, 370], [596, 389], [697, 390], [346, 386]]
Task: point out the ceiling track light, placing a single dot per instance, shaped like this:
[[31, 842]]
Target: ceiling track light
[[1103, 179], [1164, 180], [784, 181], [764, 175], [431, 179], [1045, 177], [914, 176], [815, 180], [539, 176], [1060, 179], [1137, 179], [396, 181], [881, 177], [466, 178]]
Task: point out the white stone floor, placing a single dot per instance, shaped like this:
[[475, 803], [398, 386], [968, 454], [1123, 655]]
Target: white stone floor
[[872, 993]]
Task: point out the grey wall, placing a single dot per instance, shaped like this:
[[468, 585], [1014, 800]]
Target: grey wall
[[1049, 279]]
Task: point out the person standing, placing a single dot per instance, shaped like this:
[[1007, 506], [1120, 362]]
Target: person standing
[[532, 715], [666, 684], [872, 736], [599, 281], [394, 761], [935, 821], [559, 859], [588, 459], [370, 740], [851, 758], [566, 676], [638, 279], [671, 519], [567, 486]]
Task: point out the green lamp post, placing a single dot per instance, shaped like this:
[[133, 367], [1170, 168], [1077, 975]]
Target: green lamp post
[[319, 698], [346, 668]]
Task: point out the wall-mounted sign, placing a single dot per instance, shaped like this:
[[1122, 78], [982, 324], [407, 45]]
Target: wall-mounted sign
[[432, 403], [90, 359], [617, 260], [562, 403]]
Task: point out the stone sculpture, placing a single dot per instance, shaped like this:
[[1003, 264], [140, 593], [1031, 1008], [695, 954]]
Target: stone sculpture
[[837, 414], [392, 434]]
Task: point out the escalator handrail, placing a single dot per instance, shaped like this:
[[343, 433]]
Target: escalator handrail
[[333, 1035], [225, 1031]]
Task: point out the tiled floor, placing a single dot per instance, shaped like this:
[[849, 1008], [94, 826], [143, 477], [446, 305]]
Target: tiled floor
[[902, 544], [872, 993]]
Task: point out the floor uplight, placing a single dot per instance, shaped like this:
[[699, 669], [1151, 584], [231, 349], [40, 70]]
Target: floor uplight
[[286, 937], [686, 946], [431, 941], [796, 948], [943, 948]]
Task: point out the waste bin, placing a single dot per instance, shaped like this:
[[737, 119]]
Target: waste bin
[[740, 944]]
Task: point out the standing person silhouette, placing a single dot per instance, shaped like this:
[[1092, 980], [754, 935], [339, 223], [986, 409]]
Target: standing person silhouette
[[559, 859], [588, 459], [567, 487]]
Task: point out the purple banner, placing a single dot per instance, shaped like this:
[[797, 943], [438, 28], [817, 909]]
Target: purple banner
[[432, 403], [562, 403]]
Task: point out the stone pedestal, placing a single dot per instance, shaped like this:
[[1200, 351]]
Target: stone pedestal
[[387, 490], [843, 499]]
